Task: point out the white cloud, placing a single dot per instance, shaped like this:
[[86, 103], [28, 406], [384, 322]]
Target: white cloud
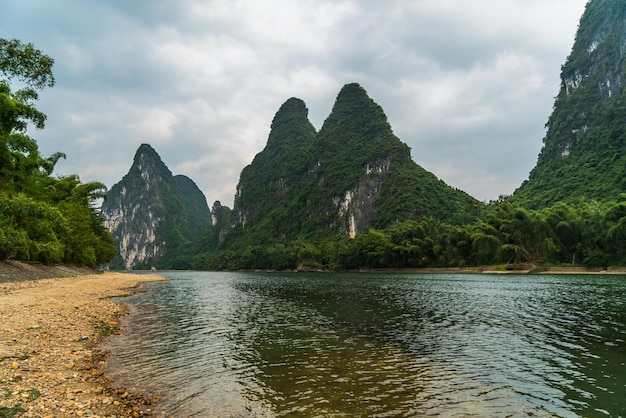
[[468, 85]]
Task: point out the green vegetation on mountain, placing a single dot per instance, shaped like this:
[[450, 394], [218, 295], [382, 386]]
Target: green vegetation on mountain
[[356, 151], [195, 205], [346, 197], [360, 202], [272, 188], [583, 155], [42, 218], [155, 217], [309, 189]]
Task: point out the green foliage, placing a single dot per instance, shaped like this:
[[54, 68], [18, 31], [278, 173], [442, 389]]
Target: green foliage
[[583, 155], [31, 230], [42, 218], [296, 187], [11, 412], [587, 234], [195, 206]]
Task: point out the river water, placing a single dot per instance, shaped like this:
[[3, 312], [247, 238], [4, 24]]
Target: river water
[[386, 345]]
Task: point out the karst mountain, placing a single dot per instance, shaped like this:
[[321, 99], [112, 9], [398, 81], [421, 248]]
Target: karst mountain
[[584, 152], [154, 215]]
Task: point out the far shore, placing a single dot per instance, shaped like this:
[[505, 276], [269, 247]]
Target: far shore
[[50, 330], [457, 270], [504, 270]]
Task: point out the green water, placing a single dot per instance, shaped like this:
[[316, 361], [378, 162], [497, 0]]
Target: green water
[[351, 345]]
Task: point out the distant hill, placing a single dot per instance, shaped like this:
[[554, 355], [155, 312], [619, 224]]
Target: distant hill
[[153, 215], [351, 175], [584, 152]]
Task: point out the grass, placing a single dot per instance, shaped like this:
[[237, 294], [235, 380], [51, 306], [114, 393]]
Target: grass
[[6, 412], [104, 329]]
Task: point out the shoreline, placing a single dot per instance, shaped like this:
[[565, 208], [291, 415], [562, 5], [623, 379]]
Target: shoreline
[[51, 363]]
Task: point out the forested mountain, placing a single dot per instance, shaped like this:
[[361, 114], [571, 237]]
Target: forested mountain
[[353, 174], [346, 197], [195, 203], [153, 215], [306, 186], [584, 153]]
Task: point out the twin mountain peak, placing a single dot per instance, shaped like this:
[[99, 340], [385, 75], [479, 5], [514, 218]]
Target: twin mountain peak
[[355, 173]]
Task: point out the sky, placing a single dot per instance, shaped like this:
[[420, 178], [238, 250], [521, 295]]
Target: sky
[[467, 84]]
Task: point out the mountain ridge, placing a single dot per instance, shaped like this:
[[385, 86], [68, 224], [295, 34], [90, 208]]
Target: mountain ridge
[[312, 184]]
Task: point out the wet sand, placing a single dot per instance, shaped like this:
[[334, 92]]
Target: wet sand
[[50, 365]]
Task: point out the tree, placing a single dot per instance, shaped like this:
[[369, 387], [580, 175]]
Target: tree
[[19, 155], [42, 218]]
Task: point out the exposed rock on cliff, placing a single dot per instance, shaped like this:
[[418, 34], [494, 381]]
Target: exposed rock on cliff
[[152, 214], [353, 174], [583, 155]]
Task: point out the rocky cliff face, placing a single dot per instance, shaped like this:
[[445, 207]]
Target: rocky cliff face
[[151, 213], [583, 155]]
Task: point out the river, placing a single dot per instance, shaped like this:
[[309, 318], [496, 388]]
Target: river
[[385, 345]]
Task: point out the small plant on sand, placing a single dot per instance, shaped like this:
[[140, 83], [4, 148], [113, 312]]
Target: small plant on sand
[[33, 394], [6, 412], [104, 329], [5, 393]]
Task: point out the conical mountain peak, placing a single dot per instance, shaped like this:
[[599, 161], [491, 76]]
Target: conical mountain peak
[[291, 125], [151, 213], [146, 158], [355, 110], [343, 179]]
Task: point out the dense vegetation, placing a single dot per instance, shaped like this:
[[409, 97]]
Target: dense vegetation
[[353, 174], [583, 155], [348, 196], [42, 218], [589, 234]]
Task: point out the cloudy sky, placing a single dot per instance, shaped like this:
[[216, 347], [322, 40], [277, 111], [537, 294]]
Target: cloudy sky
[[467, 84]]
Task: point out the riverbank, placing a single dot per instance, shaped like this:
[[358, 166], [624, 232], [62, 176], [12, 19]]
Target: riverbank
[[504, 270], [11, 271], [49, 332]]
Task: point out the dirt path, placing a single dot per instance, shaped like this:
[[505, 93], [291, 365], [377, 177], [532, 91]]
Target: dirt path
[[49, 329]]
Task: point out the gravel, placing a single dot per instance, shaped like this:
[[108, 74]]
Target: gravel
[[50, 329]]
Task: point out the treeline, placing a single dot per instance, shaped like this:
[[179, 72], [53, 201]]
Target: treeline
[[588, 233], [42, 218]]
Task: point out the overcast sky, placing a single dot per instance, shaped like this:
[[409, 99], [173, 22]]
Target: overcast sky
[[467, 84]]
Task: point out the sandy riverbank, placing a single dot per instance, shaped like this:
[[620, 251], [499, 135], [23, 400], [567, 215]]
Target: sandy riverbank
[[49, 330]]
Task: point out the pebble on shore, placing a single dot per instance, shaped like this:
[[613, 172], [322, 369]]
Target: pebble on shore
[[49, 333]]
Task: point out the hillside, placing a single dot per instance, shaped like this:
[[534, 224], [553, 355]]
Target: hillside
[[584, 156], [153, 215], [307, 187], [353, 174]]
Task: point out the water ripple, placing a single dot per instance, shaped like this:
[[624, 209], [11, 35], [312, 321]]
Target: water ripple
[[217, 344]]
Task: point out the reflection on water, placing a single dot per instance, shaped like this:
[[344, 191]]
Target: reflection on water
[[235, 344]]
